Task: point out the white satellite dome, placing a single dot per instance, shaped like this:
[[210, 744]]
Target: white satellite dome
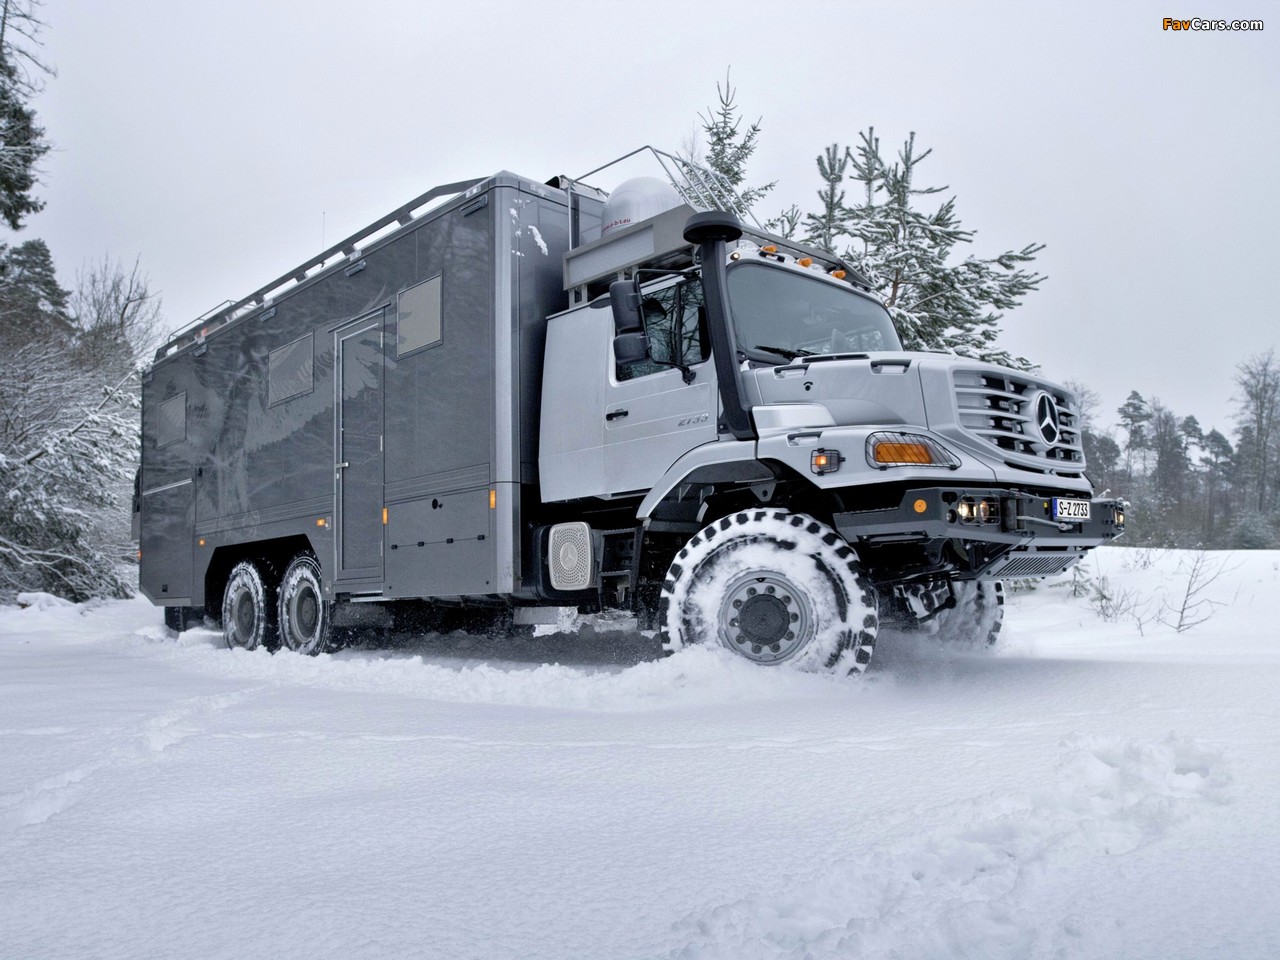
[[638, 199]]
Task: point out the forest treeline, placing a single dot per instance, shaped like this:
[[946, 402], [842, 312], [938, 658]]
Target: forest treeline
[[1191, 486]]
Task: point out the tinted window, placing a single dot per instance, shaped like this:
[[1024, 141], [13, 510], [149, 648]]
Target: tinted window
[[418, 316], [290, 370], [171, 420], [675, 321]]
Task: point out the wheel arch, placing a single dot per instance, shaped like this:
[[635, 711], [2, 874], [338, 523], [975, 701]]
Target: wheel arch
[[270, 555]]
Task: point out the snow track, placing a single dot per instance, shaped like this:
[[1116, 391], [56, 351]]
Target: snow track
[[977, 887], [1087, 790], [43, 799]]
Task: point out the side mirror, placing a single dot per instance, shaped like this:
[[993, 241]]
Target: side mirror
[[624, 296], [630, 347]]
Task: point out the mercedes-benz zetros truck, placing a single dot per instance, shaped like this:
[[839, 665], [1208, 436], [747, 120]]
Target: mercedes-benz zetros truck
[[510, 395]]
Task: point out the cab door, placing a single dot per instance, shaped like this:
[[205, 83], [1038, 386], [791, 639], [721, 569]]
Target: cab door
[[652, 416]]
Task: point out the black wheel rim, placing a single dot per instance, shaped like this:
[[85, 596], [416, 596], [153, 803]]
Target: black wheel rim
[[306, 613], [245, 616]]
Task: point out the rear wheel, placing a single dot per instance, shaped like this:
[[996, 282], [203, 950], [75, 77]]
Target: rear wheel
[[305, 617], [248, 607], [774, 587]]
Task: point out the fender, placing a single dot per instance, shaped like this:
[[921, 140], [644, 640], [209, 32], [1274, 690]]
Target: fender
[[709, 454]]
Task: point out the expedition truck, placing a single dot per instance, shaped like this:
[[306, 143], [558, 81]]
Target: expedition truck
[[510, 395]]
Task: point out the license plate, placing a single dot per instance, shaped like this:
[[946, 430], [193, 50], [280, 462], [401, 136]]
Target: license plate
[[1064, 509]]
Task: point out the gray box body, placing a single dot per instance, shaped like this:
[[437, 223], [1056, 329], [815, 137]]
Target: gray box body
[[383, 409]]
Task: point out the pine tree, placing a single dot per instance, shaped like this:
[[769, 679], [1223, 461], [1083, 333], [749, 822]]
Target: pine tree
[[1134, 415], [1259, 399], [828, 227], [1170, 469], [937, 302], [728, 147], [22, 140], [1215, 461], [33, 305]]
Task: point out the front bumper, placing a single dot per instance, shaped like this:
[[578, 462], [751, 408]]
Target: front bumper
[[999, 533]]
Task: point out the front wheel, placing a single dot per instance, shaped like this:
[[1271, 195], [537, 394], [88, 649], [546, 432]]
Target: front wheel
[[977, 616], [306, 622], [774, 587]]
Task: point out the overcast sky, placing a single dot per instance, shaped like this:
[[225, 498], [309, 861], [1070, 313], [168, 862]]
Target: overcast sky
[[223, 141]]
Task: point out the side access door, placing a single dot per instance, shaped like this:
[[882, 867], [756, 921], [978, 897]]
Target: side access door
[[358, 477], [652, 416]]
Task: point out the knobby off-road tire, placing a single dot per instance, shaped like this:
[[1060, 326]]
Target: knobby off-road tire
[[305, 617], [249, 607], [976, 618], [774, 587]]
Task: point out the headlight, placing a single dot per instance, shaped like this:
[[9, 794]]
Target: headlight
[[886, 450]]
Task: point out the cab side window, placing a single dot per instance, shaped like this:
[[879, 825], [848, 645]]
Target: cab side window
[[675, 321]]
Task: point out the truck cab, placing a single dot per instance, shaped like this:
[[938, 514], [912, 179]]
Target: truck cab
[[757, 376]]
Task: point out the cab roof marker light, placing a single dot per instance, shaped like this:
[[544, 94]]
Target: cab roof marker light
[[886, 449]]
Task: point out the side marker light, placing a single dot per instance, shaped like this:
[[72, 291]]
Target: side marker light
[[825, 461]]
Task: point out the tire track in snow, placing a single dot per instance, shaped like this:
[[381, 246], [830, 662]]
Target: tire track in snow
[[976, 887], [50, 796]]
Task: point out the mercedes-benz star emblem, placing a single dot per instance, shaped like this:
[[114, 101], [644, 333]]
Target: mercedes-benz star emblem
[[1048, 419]]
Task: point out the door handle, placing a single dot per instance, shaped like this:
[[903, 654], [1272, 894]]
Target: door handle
[[343, 464], [615, 415]]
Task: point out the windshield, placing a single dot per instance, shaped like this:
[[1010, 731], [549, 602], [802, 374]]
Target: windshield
[[789, 315]]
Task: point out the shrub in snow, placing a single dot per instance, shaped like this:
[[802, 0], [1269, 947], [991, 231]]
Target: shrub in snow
[[1252, 531]]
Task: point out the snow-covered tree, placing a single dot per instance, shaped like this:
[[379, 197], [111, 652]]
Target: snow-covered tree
[[67, 443], [69, 430], [22, 139], [938, 299], [1252, 531], [728, 147], [828, 227], [1258, 379]]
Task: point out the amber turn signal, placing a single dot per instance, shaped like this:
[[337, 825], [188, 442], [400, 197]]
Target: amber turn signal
[[896, 452]]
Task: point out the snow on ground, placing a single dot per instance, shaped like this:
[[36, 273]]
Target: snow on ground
[[1090, 789]]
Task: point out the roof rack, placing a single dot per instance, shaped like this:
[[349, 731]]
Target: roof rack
[[228, 310], [698, 186]]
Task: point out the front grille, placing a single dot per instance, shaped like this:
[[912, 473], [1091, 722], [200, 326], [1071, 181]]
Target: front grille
[[1035, 425]]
